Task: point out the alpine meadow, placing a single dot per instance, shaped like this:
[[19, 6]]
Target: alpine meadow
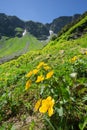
[[43, 79]]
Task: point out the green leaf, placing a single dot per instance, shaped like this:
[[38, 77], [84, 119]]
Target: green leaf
[[48, 121], [85, 98], [42, 90], [60, 111], [13, 128], [32, 125], [83, 125]]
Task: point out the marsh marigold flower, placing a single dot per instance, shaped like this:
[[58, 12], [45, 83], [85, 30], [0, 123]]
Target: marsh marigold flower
[[39, 78], [35, 71], [49, 74], [28, 84], [74, 58], [40, 65], [46, 67], [37, 105], [29, 74], [47, 106]]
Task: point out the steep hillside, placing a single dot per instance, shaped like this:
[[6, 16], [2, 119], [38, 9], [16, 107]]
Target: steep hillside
[[76, 29], [48, 84], [11, 48]]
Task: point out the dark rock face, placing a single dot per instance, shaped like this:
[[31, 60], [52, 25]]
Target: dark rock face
[[8, 24]]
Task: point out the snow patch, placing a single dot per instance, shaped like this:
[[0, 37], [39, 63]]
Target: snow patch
[[25, 31], [51, 32]]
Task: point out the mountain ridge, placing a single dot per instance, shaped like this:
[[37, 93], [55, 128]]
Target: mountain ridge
[[8, 24]]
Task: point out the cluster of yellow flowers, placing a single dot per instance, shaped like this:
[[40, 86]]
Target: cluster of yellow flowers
[[42, 64], [40, 73], [75, 58], [45, 105], [41, 77]]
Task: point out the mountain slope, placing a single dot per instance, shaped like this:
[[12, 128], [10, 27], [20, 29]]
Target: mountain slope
[[67, 86], [14, 47], [74, 29]]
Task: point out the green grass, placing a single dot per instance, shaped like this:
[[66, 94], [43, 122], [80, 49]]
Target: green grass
[[72, 30], [19, 45]]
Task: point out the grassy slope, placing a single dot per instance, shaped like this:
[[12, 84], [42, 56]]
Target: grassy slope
[[71, 31], [12, 74], [18, 45]]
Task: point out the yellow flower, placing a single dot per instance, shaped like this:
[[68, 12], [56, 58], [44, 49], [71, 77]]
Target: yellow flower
[[40, 65], [28, 84], [44, 107], [29, 74], [37, 105], [74, 58], [1, 79], [86, 52], [35, 71], [46, 67], [50, 111], [49, 74], [39, 78], [47, 106]]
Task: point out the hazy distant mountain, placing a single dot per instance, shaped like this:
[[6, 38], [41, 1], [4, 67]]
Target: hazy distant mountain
[[11, 26]]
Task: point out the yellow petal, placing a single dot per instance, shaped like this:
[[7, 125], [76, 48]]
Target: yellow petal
[[35, 71], [49, 98], [47, 67], [28, 84], [52, 103], [50, 111], [49, 74], [43, 109], [39, 78], [29, 74], [37, 105], [40, 65]]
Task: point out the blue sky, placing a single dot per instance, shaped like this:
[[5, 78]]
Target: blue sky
[[42, 10]]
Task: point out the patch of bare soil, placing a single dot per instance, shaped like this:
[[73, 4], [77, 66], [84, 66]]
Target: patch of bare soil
[[27, 122]]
